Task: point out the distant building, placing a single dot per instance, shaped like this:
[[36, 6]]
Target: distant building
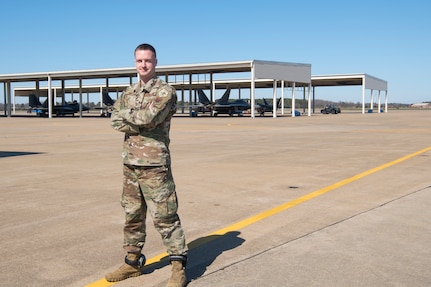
[[421, 106]]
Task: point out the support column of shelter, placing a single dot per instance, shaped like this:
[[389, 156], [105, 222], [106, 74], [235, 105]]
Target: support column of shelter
[[282, 97], [55, 94], [190, 93], [309, 100], [363, 97], [107, 91], [50, 100], [9, 90], [303, 98], [211, 90], [182, 99], [80, 97], [252, 87], [274, 99], [101, 99], [293, 99], [8, 97], [182, 94], [63, 91], [213, 87], [314, 99], [13, 106], [88, 100], [38, 92], [386, 101], [378, 102], [4, 98]]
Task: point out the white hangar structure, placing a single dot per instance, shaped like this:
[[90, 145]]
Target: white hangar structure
[[187, 78]]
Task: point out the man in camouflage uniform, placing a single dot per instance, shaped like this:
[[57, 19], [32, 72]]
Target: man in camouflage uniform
[[143, 113]]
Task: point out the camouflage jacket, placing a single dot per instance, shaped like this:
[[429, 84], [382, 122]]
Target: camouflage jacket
[[143, 113]]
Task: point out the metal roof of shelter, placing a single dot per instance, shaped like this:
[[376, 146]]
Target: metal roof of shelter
[[368, 81], [262, 74], [263, 69], [276, 71]]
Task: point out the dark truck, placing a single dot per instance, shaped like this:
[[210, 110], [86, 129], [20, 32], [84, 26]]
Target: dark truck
[[330, 109]]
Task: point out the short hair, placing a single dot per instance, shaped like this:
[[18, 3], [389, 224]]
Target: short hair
[[146, 47]]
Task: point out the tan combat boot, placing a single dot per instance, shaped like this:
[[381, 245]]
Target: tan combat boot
[[131, 268], [178, 278]]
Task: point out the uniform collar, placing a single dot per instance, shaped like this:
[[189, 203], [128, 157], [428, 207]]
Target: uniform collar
[[147, 86]]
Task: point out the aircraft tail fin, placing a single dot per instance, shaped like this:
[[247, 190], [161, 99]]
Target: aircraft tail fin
[[107, 100], [33, 101], [203, 99], [279, 103], [225, 98]]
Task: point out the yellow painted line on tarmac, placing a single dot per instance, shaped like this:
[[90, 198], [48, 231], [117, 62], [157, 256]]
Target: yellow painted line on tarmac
[[241, 224]]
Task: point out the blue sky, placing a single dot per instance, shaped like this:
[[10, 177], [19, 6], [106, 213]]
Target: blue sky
[[386, 39]]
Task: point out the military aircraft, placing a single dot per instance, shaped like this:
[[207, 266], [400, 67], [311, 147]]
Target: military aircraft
[[204, 105], [42, 110], [108, 102], [222, 106], [266, 107]]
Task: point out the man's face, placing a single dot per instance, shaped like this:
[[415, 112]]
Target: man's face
[[145, 64]]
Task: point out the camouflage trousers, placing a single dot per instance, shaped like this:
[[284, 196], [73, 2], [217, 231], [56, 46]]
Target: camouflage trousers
[[152, 189]]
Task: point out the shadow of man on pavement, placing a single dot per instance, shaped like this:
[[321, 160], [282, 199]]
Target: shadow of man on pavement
[[205, 250], [202, 252]]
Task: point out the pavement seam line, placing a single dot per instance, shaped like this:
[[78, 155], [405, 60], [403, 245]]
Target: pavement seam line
[[311, 233]]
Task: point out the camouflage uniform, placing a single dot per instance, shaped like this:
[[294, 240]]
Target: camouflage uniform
[[143, 113]]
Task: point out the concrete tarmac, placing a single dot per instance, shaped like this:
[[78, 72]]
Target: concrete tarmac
[[326, 200]]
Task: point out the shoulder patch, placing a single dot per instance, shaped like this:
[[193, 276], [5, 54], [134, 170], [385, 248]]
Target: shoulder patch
[[164, 91]]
